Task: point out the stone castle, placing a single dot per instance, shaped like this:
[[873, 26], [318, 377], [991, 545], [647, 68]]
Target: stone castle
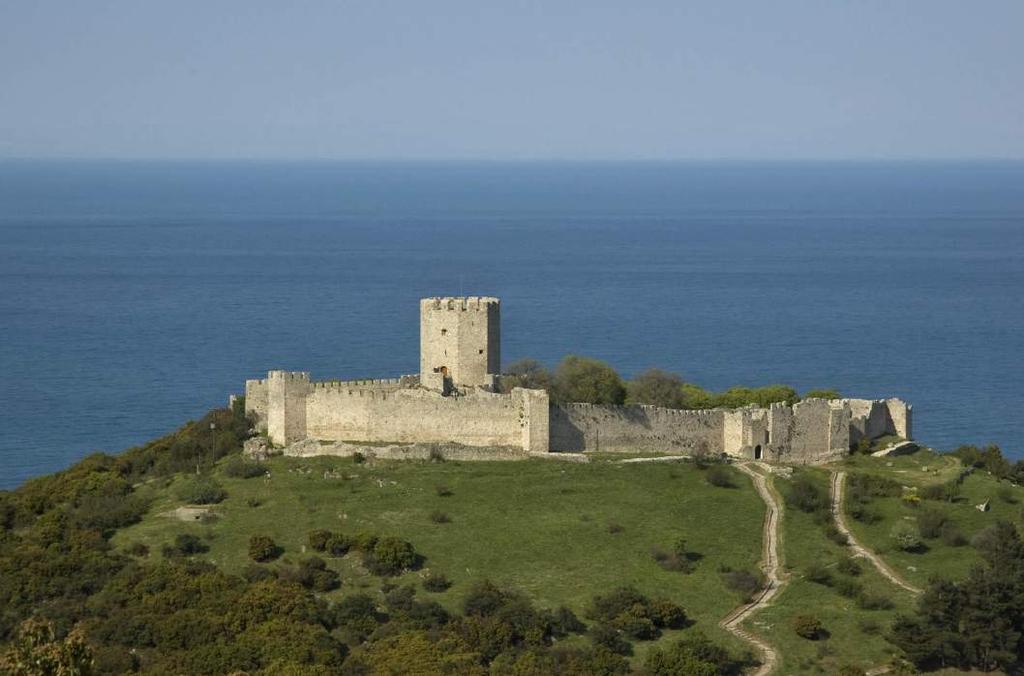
[[455, 400]]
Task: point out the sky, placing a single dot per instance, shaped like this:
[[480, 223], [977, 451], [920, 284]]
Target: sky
[[493, 80]]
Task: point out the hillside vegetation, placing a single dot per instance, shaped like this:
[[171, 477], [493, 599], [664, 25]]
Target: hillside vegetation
[[181, 556]]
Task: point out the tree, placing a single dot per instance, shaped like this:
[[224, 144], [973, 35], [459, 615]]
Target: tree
[[528, 373], [808, 626], [589, 381], [655, 387], [38, 652]]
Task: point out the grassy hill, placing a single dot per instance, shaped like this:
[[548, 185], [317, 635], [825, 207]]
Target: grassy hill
[[560, 532]]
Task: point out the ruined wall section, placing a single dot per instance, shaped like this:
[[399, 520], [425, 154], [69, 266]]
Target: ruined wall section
[[873, 418], [901, 414], [590, 427], [256, 403], [820, 432], [463, 335]]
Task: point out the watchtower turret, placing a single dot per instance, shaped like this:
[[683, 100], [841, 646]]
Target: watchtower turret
[[460, 341]]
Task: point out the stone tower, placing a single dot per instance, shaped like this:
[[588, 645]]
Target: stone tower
[[460, 341]]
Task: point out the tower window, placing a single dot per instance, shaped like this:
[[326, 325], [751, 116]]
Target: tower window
[[480, 352], [444, 332]]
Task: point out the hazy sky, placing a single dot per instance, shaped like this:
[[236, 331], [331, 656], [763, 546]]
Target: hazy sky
[[512, 80]]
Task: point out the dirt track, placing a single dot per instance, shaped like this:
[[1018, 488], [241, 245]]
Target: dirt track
[[838, 485], [770, 567]]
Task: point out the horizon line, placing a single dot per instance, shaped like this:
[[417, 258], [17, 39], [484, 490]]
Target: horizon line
[[518, 160]]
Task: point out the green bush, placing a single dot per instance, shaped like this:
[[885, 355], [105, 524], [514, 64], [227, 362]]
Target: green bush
[[436, 582], [318, 539], [437, 516], [930, 523], [201, 490], [312, 573], [744, 582], [822, 393], [847, 587], [263, 549], [720, 476], [906, 537], [337, 545], [390, 556], [952, 536], [237, 468], [818, 574], [808, 626], [610, 638], [528, 373], [805, 494], [848, 566]]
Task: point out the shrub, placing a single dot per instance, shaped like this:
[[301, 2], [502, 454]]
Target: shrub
[[930, 522], [358, 458], [906, 537], [364, 542], [237, 468], [1007, 495], [436, 582], [255, 573], [863, 514], [805, 494], [863, 487], [253, 502], [318, 539], [436, 455], [337, 545], [808, 626], [869, 601], [947, 492], [443, 491], [744, 582], [188, 544], [615, 528], [437, 516], [609, 637], [720, 476], [313, 573], [201, 491], [847, 587], [848, 566], [263, 549], [952, 536], [390, 556], [671, 561], [564, 622], [818, 574], [833, 533], [138, 549], [822, 393]]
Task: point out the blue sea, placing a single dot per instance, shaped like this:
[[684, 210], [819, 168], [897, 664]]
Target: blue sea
[[134, 296]]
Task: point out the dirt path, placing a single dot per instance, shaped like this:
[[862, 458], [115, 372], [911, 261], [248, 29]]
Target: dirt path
[[770, 566], [838, 485]]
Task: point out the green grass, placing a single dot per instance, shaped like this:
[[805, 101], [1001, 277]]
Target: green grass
[[939, 559], [538, 526], [852, 639]]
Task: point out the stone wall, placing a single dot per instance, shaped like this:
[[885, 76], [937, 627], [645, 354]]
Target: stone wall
[[589, 427], [296, 409], [256, 402]]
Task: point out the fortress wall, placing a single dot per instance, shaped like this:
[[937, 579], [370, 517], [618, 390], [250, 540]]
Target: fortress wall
[[374, 384], [286, 406], [256, 403], [820, 431], [900, 413], [418, 416], [535, 420], [590, 427], [745, 430], [780, 432]]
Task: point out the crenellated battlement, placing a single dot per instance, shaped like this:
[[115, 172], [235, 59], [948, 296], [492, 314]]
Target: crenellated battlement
[[296, 376], [463, 303]]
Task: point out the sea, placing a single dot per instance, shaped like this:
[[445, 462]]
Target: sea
[[136, 295]]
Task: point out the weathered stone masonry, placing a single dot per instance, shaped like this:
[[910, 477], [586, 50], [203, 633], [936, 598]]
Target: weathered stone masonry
[[452, 400]]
